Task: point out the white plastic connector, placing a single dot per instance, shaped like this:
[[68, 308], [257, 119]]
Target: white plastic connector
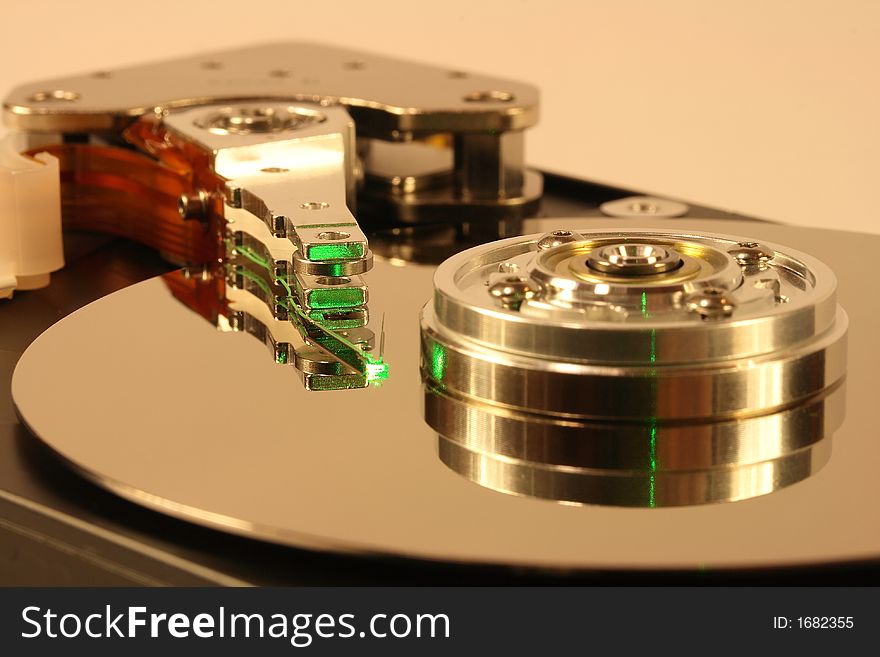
[[30, 219]]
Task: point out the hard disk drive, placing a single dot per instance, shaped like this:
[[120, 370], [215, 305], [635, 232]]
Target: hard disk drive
[[321, 323]]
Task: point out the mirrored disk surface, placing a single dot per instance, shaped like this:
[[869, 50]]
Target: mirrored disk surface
[[151, 401]]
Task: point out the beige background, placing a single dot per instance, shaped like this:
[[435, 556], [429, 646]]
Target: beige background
[[768, 108]]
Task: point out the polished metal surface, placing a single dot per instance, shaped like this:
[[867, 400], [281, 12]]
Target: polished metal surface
[[506, 433], [431, 100], [472, 124], [592, 327], [633, 259], [141, 401], [765, 321], [291, 167], [637, 489], [288, 272], [419, 182]]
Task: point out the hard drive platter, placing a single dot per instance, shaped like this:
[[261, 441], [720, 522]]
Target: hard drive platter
[[143, 396]]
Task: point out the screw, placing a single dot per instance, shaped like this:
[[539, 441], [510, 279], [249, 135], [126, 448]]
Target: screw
[[512, 291], [193, 206], [749, 254], [558, 237], [710, 303]]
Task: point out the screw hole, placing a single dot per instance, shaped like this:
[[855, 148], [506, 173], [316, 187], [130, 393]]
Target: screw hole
[[212, 65], [274, 170], [256, 119], [279, 73], [332, 280], [489, 97], [354, 66], [102, 75], [315, 205], [333, 235], [458, 75], [56, 94]]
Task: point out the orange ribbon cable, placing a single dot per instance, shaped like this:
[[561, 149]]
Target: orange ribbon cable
[[135, 194]]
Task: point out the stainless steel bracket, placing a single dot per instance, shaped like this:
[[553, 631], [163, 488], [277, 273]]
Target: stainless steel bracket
[[292, 168], [437, 144]]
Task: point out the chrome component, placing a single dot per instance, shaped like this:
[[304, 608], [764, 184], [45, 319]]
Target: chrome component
[[557, 237], [329, 345], [303, 265], [408, 168], [430, 102], [276, 159], [331, 292], [279, 337], [599, 348], [628, 446], [310, 360], [475, 177], [194, 206], [570, 289], [53, 96], [639, 488], [750, 254], [275, 172], [629, 259], [644, 206], [468, 127], [710, 303], [512, 290], [490, 166], [292, 241], [247, 120]]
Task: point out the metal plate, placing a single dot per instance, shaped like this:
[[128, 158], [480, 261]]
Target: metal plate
[[150, 401], [432, 99]]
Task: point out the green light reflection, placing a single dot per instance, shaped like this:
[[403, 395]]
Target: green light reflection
[[373, 367], [652, 422], [438, 362]]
